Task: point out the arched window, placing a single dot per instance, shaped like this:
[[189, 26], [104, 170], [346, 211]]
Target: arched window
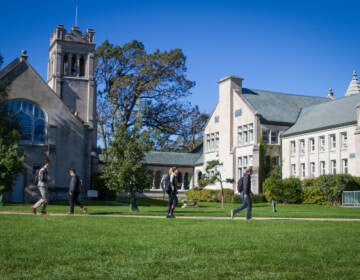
[[73, 66], [32, 120], [82, 67], [66, 64]]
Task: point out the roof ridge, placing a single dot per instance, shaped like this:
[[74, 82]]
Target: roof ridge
[[284, 93]]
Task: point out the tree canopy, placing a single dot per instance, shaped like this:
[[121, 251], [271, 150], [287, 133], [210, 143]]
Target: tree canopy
[[131, 80]]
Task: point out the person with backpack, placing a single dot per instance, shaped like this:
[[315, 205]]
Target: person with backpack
[[74, 191], [244, 187], [165, 182], [172, 192], [42, 179]]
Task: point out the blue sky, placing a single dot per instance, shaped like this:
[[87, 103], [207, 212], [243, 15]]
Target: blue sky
[[293, 46]]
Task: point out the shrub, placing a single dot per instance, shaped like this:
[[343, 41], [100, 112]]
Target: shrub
[[333, 185], [292, 192], [98, 183], [273, 186], [228, 195], [258, 198], [314, 195]]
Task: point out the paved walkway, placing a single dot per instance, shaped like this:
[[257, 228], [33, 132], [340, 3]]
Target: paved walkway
[[191, 217]]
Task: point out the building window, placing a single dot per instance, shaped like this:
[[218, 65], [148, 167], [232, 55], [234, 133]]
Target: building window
[[274, 137], [82, 67], [292, 147], [312, 169], [322, 143], [66, 65], [312, 145], [208, 141], [240, 167], [212, 141], [217, 139], [333, 167], [73, 66], [32, 120], [344, 140], [251, 133], [293, 170], [302, 170], [344, 166], [238, 113], [322, 168], [332, 141], [302, 146], [250, 160], [240, 141], [217, 118], [246, 134]]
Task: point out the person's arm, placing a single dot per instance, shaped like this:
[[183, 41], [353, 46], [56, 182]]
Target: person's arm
[[247, 190]]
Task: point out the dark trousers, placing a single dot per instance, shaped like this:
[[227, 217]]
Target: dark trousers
[[173, 200], [74, 200]]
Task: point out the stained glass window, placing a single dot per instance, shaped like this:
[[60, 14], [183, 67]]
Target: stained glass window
[[32, 120]]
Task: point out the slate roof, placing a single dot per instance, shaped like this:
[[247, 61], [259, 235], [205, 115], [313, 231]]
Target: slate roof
[[279, 107], [334, 113], [171, 158]]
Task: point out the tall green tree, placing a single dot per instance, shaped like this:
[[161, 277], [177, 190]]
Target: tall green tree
[[131, 80], [10, 157], [125, 169]]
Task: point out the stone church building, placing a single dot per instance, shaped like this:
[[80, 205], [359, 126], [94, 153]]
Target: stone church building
[[57, 115]]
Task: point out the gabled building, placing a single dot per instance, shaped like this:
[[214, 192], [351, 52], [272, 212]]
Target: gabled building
[[325, 138], [58, 115], [240, 119]]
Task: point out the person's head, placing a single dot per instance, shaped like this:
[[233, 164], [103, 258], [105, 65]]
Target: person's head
[[175, 170], [46, 163], [249, 169], [170, 170], [72, 172]]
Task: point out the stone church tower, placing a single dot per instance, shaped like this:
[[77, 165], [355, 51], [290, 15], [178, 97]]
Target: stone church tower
[[71, 74], [71, 71]]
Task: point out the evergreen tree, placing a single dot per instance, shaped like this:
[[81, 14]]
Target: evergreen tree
[[125, 169]]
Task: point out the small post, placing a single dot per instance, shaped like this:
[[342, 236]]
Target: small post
[[273, 204]]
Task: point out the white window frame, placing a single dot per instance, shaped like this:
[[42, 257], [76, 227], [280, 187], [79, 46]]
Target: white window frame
[[322, 144], [344, 140], [312, 145], [312, 169], [332, 138], [292, 147], [302, 146], [345, 166], [333, 166], [322, 168]]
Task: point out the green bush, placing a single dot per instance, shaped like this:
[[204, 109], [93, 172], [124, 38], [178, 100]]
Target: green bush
[[273, 186], [259, 198], [314, 195], [209, 195], [333, 185], [98, 183], [228, 195], [291, 190]]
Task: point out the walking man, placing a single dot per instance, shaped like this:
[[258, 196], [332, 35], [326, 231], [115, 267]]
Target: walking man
[[74, 191], [245, 195], [43, 181]]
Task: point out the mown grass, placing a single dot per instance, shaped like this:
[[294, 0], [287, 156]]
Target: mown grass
[[157, 207], [98, 247]]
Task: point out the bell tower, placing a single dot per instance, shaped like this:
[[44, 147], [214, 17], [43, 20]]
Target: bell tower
[[71, 71]]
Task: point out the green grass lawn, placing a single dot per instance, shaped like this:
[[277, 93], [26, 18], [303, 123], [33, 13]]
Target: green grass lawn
[[108, 247], [98, 247], [157, 207]]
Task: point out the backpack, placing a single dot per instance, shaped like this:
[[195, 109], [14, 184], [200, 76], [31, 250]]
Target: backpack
[[36, 178], [240, 185], [165, 182]]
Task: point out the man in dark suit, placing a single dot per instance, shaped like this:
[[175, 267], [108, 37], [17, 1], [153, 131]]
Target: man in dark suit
[[74, 191]]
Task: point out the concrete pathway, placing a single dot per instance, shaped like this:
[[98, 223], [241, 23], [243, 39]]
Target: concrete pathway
[[190, 217]]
